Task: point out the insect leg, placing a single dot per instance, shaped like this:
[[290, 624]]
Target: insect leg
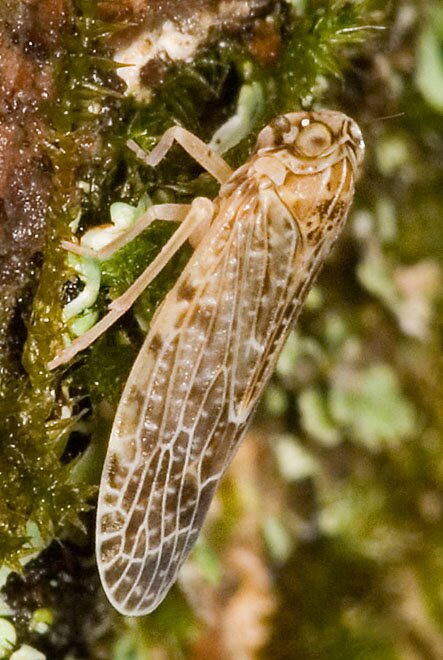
[[195, 147], [201, 209], [169, 212]]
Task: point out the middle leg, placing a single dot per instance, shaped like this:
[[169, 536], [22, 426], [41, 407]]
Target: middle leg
[[169, 212]]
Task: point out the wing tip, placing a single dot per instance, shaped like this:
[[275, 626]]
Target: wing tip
[[138, 610], [127, 598], [127, 603]]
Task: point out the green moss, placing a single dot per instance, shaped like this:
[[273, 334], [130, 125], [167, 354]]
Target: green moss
[[38, 410], [322, 37]]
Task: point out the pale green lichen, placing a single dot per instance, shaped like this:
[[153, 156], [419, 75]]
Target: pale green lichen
[[26, 652], [429, 71], [370, 406], [316, 418], [278, 539], [275, 400], [250, 109], [294, 461], [208, 564], [8, 637], [42, 619], [89, 272], [78, 313]]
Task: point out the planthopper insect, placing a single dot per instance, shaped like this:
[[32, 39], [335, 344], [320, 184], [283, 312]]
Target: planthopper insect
[[215, 338]]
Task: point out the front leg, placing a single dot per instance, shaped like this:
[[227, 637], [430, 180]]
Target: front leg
[[201, 152]]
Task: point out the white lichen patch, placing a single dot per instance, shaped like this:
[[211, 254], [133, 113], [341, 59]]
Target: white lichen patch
[[171, 42]]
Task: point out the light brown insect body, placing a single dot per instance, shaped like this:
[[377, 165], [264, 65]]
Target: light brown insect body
[[212, 346]]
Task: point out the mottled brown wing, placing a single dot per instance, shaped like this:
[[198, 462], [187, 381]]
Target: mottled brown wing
[[183, 413]]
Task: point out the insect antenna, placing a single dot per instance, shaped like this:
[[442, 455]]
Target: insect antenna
[[384, 118]]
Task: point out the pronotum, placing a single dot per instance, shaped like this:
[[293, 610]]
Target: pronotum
[[214, 340]]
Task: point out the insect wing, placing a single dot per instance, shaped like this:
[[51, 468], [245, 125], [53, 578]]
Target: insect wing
[[186, 404]]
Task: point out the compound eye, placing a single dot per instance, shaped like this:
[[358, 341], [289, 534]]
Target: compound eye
[[314, 139], [355, 134]]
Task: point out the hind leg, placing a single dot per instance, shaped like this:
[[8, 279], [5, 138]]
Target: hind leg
[[199, 214]]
